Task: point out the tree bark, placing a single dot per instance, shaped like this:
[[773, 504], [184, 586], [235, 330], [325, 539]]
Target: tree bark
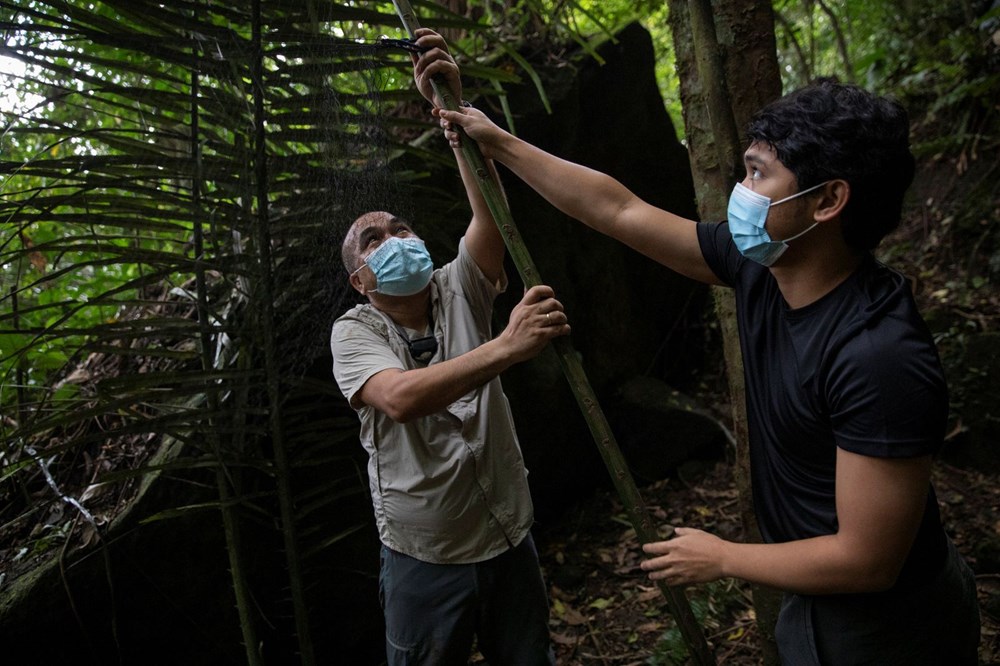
[[727, 64]]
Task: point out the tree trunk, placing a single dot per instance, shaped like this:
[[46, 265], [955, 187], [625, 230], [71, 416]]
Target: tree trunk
[[727, 64]]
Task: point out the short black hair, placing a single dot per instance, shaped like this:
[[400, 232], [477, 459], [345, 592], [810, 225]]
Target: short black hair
[[830, 130]]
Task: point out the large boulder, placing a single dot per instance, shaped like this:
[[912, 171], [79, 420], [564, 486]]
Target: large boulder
[[631, 316]]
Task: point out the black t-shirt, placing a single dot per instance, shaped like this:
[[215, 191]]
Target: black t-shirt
[[856, 369]]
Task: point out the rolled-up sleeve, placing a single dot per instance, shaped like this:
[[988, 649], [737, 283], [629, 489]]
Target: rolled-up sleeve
[[358, 353]]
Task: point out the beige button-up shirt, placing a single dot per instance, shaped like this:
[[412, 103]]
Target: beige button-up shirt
[[450, 487]]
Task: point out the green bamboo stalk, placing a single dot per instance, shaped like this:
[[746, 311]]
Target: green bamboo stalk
[[639, 517]]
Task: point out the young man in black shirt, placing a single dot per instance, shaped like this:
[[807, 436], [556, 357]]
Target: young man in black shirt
[[846, 397]]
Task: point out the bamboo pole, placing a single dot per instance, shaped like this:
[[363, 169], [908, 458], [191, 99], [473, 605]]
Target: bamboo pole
[[639, 517]]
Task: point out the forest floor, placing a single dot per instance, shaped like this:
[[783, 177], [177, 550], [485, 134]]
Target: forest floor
[[606, 612]]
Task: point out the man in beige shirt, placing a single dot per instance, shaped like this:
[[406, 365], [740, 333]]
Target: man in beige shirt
[[419, 364]]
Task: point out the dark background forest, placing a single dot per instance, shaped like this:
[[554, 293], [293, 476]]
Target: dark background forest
[[180, 479]]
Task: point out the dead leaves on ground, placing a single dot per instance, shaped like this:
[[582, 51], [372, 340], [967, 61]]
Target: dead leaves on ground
[[604, 608]]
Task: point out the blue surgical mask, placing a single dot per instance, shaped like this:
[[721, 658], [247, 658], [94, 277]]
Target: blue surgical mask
[[402, 266], [747, 216]]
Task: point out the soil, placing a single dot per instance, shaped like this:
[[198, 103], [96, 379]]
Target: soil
[[606, 612]]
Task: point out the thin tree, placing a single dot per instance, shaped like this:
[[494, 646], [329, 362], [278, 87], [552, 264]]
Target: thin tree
[[727, 65]]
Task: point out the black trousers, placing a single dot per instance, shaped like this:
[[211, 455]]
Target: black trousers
[[936, 624]]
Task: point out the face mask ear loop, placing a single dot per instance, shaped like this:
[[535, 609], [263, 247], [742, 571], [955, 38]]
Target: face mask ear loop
[[801, 233], [799, 194]]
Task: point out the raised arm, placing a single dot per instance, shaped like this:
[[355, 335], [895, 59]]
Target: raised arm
[[482, 238], [594, 198]]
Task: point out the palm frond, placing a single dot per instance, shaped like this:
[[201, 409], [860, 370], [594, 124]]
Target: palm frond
[[172, 190]]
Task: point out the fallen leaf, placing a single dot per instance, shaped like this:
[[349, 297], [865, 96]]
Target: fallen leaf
[[566, 639], [573, 617], [601, 603], [736, 634], [558, 608]]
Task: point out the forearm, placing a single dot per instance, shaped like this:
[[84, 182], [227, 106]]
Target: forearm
[[880, 502], [412, 394], [590, 196], [473, 187], [606, 205], [596, 199], [482, 238], [820, 565]]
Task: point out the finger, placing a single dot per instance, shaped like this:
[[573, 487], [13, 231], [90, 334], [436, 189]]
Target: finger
[[557, 330], [426, 38], [426, 34], [538, 293], [553, 305], [553, 316], [434, 70], [435, 60], [443, 61], [654, 564], [656, 548], [657, 574], [457, 117], [667, 573]]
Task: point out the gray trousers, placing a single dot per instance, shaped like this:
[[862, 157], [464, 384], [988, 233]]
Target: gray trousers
[[433, 612]]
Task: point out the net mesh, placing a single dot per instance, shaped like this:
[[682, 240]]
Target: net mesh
[[151, 146], [176, 179]]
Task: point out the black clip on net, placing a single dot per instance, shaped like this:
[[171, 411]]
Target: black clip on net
[[405, 44]]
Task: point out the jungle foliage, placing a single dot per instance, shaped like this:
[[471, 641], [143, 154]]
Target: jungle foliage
[[171, 179]]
